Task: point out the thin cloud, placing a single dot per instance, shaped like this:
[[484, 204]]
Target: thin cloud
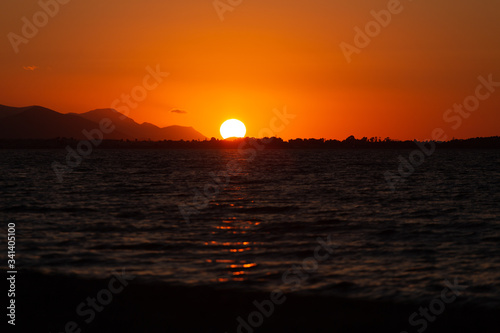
[[30, 68], [179, 111]]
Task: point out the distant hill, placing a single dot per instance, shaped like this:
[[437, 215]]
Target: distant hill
[[6, 111], [144, 131], [36, 122]]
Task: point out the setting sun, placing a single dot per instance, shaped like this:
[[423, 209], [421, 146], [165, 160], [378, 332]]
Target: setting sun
[[233, 128]]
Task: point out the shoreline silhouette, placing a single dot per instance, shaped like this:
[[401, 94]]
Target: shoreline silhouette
[[351, 142], [151, 307]]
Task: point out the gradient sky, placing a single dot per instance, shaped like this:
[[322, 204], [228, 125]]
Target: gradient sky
[[266, 54]]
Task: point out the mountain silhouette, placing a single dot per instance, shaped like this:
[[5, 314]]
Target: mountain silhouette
[[144, 131], [6, 111], [36, 122]]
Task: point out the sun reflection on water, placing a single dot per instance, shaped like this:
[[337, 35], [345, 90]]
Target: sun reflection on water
[[235, 264]]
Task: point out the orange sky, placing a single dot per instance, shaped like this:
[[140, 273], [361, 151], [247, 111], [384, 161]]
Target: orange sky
[[265, 54]]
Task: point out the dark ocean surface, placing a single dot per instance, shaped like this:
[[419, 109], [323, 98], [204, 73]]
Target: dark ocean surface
[[222, 219]]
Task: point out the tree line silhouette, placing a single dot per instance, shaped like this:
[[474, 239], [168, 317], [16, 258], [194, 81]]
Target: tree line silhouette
[[274, 143]]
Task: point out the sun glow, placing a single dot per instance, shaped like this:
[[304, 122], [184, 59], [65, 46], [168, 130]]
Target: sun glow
[[233, 128]]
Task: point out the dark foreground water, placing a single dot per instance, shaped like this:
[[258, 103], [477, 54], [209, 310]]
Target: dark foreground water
[[257, 224]]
